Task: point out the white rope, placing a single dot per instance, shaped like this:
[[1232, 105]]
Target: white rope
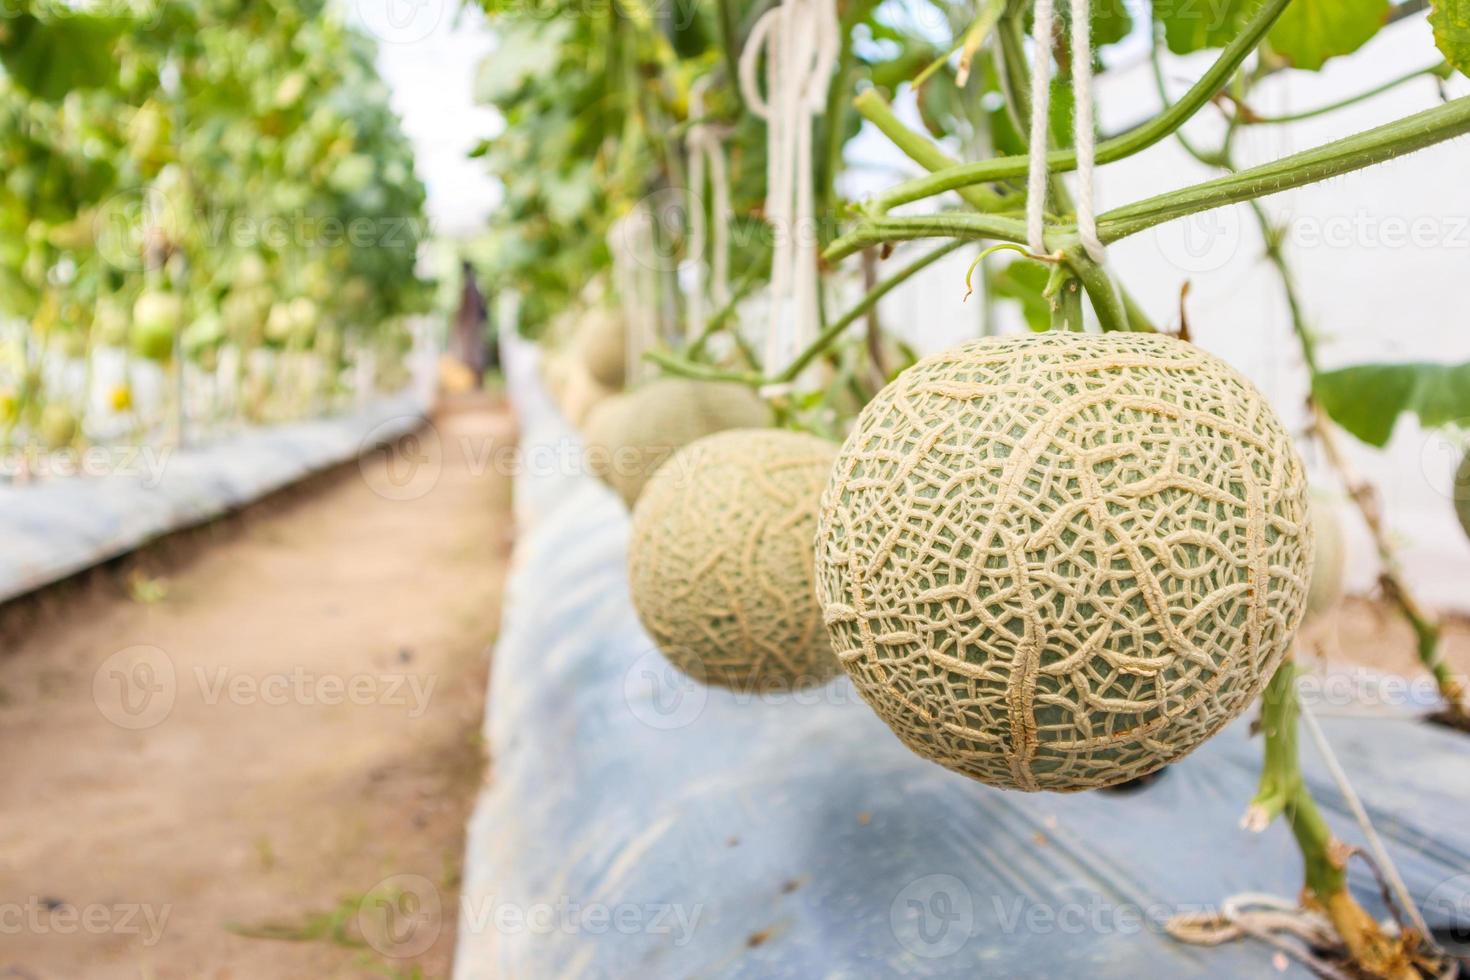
[[1085, 139], [631, 245], [707, 152], [1360, 813], [800, 41], [1041, 33]]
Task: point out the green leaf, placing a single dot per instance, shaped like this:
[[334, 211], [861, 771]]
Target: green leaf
[[524, 51], [1367, 399], [1451, 22], [51, 57], [1025, 281], [1311, 31], [1111, 21], [1191, 25]]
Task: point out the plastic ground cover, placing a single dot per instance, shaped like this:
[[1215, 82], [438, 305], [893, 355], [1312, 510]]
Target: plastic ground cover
[[58, 526], [636, 825]]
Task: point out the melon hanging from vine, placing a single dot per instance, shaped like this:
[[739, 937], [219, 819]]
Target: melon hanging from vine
[[720, 560], [1063, 561]]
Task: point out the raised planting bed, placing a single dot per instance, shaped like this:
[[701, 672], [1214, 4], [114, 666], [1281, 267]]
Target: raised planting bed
[[640, 825], [57, 526]]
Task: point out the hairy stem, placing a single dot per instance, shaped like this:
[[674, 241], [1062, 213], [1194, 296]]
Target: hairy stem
[[1117, 148], [949, 224], [1254, 119], [922, 150], [1396, 139], [835, 328], [705, 372]]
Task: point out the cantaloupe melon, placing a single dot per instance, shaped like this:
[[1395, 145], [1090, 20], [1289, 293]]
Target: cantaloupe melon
[[580, 394], [602, 346], [720, 559], [660, 418], [1062, 561]]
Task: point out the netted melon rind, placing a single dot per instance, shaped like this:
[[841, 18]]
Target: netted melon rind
[[1329, 556], [580, 394], [1062, 561], [601, 430], [664, 416], [602, 341], [720, 560]]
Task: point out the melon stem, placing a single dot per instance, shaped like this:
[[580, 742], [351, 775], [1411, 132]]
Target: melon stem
[[1283, 792]]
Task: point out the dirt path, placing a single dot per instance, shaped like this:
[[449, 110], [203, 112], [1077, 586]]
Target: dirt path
[[285, 745]]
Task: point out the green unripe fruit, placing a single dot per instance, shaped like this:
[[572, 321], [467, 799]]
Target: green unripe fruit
[[252, 272], [279, 325], [1062, 561], [58, 427], [720, 560], [305, 318], [244, 312], [71, 344], [157, 317], [602, 340], [662, 417], [110, 324]]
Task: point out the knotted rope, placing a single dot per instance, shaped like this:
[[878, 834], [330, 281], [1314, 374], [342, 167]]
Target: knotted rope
[[1085, 140], [631, 244], [706, 152], [800, 40]]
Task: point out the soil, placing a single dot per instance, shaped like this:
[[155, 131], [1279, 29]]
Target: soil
[[1370, 633], [257, 762], [252, 756]]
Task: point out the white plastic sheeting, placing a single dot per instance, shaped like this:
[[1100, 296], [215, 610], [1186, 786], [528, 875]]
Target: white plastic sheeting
[[60, 525], [637, 825]]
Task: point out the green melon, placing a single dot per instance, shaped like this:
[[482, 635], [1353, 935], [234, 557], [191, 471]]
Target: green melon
[[58, 427], [157, 317], [602, 343], [662, 417], [580, 394], [720, 560], [602, 428], [1062, 561]]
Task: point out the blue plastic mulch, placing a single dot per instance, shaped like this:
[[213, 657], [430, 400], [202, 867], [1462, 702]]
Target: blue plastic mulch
[[638, 826]]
